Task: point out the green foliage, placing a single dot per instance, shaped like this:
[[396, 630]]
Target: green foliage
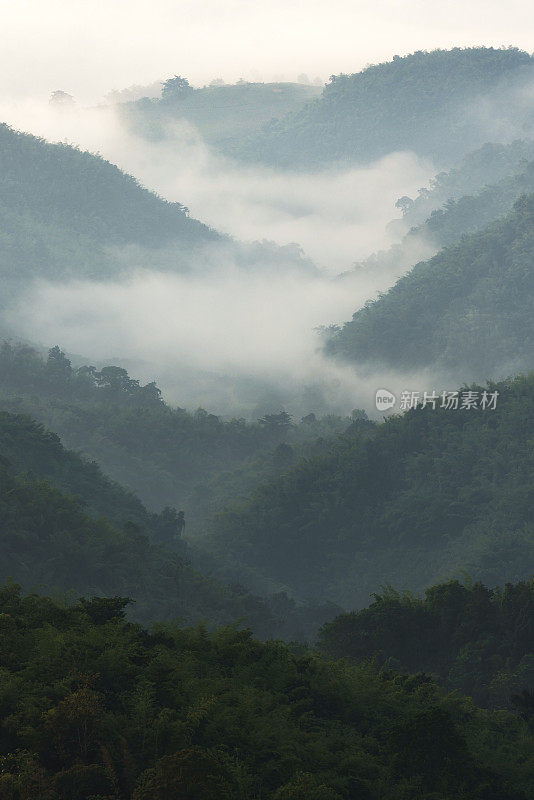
[[168, 456], [423, 497], [66, 213], [474, 639], [223, 114], [421, 102], [467, 309], [105, 709], [53, 541]]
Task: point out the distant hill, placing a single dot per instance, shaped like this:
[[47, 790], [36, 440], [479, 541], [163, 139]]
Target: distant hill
[[66, 214], [430, 494], [168, 456], [441, 104], [466, 311], [65, 527], [223, 114], [458, 202]]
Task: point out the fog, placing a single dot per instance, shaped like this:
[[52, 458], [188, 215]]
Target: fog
[[225, 337], [232, 342], [338, 217], [89, 47]]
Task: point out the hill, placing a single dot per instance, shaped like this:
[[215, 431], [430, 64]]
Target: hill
[[168, 456], [429, 494], [70, 215], [440, 104], [466, 311], [451, 214], [95, 707], [55, 537], [65, 213], [223, 114]]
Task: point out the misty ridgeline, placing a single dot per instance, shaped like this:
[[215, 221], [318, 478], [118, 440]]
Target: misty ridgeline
[[226, 571]]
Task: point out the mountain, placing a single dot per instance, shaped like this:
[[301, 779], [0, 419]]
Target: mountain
[[223, 114], [168, 456], [440, 104], [95, 707], [466, 312], [66, 528], [429, 494], [449, 216], [67, 214]]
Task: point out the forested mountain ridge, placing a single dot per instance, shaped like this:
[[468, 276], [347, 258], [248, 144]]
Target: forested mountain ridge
[[468, 310], [64, 527], [95, 707], [168, 456], [431, 493], [223, 114], [66, 214], [453, 210], [434, 103], [60, 185]]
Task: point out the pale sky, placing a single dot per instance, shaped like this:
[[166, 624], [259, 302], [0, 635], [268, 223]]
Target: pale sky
[[88, 47]]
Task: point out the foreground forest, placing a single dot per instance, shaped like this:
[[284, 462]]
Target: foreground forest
[[94, 706]]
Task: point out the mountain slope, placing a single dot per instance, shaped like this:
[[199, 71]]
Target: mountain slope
[[168, 456], [51, 540], [440, 104], [431, 493], [222, 114], [467, 311]]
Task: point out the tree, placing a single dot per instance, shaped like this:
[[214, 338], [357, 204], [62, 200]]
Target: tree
[[405, 203], [60, 99], [176, 88]]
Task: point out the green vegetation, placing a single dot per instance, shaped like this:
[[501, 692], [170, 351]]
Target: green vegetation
[[66, 213], [488, 165], [168, 456], [472, 638], [431, 493], [54, 536], [95, 707], [223, 114], [466, 311], [427, 102]]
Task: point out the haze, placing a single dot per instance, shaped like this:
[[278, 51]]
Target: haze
[[88, 48]]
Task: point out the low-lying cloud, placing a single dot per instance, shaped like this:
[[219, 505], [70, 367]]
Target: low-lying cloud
[[338, 217]]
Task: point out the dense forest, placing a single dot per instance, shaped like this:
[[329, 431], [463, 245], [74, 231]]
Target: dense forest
[[431, 493], [94, 706], [64, 527], [474, 639], [466, 311], [427, 102], [169, 456]]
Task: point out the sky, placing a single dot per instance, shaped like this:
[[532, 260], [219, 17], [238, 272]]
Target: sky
[[89, 47]]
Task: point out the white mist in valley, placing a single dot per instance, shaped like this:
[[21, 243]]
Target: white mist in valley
[[337, 216], [222, 336]]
